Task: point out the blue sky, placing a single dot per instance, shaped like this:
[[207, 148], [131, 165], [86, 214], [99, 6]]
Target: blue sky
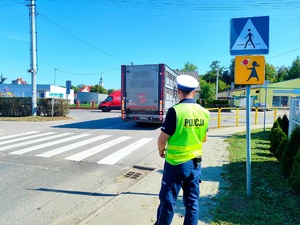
[[87, 39]]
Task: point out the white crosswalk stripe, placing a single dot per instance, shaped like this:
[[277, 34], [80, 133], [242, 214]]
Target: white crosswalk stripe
[[72, 146], [18, 135], [33, 141], [97, 149], [116, 156], [36, 147], [50, 144], [25, 138]]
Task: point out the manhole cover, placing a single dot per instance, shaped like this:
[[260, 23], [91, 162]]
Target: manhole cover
[[133, 175]]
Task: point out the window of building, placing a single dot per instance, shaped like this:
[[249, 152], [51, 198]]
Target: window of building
[[280, 101]]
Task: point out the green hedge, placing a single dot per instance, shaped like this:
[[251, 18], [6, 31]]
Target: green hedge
[[22, 106], [287, 151], [215, 103]]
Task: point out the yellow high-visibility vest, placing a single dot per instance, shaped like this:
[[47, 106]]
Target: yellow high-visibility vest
[[191, 126]]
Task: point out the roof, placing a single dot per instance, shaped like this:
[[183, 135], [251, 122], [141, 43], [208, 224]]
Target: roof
[[85, 89]]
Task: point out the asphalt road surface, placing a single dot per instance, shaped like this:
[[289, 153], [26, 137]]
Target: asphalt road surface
[[51, 171]]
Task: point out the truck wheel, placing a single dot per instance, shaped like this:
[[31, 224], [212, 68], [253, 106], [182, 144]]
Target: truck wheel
[[104, 109]]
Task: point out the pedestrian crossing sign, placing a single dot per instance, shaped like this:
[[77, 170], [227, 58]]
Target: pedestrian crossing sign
[[249, 36], [249, 70]]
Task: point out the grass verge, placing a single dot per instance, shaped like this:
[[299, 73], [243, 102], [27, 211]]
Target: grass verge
[[35, 118], [271, 201]]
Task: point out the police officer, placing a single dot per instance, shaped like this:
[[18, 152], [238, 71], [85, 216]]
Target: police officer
[[180, 143]]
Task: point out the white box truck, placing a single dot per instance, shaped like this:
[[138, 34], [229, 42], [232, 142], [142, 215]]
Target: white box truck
[[147, 92]]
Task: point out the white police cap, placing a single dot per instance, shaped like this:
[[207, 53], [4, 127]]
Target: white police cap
[[187, 83]]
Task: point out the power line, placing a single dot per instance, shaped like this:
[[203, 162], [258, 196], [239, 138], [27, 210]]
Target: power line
[[87, 74], [81, 40], [9, 3], [284, 53]]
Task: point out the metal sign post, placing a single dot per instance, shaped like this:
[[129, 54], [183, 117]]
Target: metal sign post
[[249, 36], [248, 141]]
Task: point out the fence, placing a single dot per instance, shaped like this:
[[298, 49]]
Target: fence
[[222, 117], [294, 119]]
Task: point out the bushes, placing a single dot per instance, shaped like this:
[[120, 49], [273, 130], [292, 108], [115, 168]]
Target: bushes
[[16, 106], [277, 135], [294, 179], [290, 151], [287, 151], [60, 107], [280, 148], [285, 124], [215, 103], [22, 106]]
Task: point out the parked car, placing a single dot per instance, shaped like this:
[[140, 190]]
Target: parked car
[[260, 106], [112, 102]]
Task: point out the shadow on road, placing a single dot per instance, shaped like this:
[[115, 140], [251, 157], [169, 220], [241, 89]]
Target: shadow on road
[[108, 123]]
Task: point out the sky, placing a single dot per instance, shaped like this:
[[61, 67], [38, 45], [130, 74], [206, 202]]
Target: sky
[[84, 40]]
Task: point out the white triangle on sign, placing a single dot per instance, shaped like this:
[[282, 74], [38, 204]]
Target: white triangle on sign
[[249, 38]]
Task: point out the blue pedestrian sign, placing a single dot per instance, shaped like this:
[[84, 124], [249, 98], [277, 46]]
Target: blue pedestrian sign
[[249, 36]]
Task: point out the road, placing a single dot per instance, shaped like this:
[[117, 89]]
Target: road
[[61, 172]]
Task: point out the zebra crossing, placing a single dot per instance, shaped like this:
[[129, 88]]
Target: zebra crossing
[[78, 147]]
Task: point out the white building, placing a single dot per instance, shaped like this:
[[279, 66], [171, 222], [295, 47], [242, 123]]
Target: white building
[[42, 91]]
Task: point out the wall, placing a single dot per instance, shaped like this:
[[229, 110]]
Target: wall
[[88, 97]]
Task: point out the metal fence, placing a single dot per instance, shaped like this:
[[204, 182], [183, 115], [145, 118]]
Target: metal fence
[[294, 119], [223, 117]]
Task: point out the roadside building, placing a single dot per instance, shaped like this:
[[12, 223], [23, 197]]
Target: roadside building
[[84, 96], [19, 88], [275, 95]]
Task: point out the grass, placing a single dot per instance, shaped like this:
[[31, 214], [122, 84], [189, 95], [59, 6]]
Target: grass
[[271, 201], [34, 118], [83, 106]]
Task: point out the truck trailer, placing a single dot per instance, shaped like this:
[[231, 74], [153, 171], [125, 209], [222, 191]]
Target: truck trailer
[[147, 92]]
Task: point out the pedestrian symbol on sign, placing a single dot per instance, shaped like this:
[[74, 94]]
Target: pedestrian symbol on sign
[[249, 36]]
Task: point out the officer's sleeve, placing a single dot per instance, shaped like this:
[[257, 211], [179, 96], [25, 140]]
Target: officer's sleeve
[[169, 124]]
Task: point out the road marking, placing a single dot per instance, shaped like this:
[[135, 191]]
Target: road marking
[[34, 141], [72, 146], [116, 156], [18, 135], [23, 138], [33, 148], [97, 149]]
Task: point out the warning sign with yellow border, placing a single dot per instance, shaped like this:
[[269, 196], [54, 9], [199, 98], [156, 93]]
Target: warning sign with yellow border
[[249, 70]]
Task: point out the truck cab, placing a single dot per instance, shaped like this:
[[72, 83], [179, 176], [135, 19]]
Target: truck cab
[[112, 102]]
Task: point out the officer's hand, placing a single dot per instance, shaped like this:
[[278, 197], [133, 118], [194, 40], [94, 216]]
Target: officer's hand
[[162, 153]]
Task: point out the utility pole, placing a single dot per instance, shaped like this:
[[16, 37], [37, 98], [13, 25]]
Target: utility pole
[[33, 53], [55, 69], [217, 82]]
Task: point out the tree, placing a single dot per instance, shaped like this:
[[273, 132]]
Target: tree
[[294, 71], [270, 73], [282, 73], [2, 79], [99, 89], [76, 89], [189, 67], [211, 76], [109, 91], [207, 90]]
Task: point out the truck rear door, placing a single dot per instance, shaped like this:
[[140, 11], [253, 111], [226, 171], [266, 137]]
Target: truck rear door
[[141, 91]]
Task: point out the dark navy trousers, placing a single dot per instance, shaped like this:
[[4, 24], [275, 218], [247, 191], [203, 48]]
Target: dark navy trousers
[[187, 177]]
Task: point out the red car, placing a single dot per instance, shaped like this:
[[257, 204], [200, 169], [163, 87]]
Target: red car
[[112, 102]]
